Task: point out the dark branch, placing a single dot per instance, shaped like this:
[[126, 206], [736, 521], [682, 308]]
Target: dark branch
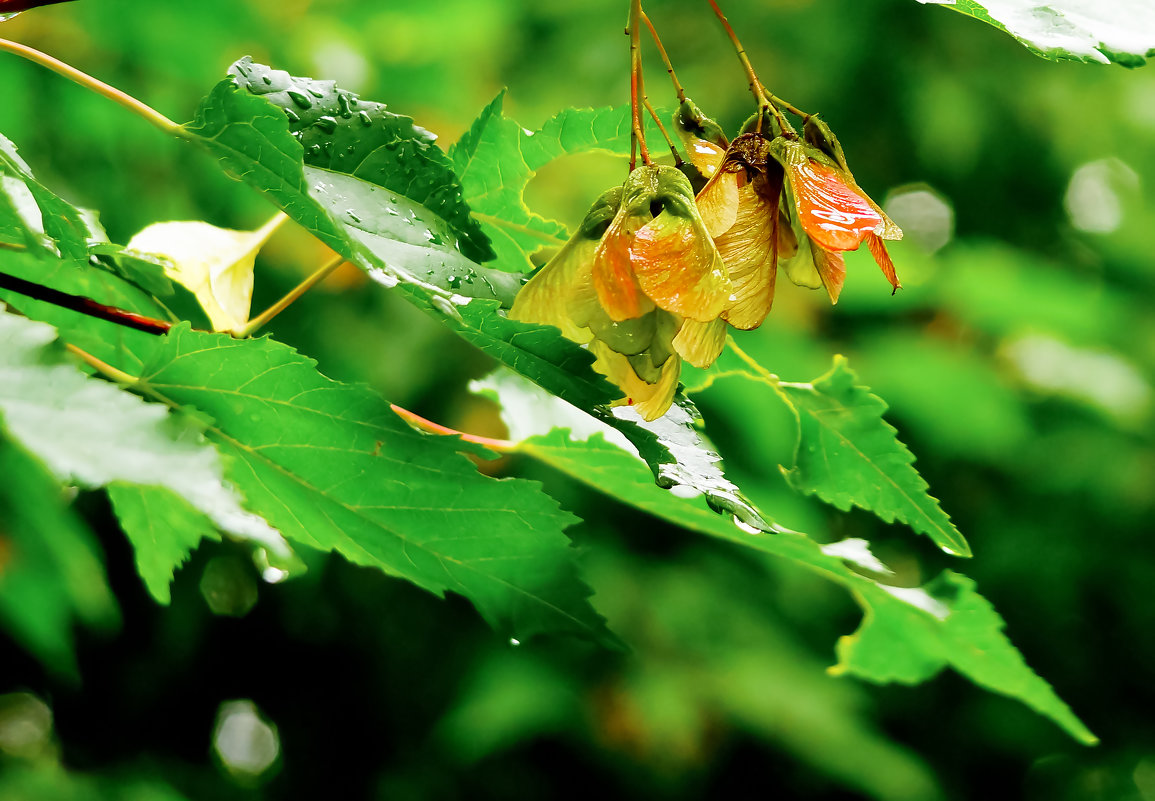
[[85, 305]]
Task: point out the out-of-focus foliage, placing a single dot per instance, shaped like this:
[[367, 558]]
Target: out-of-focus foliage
[[1017, 364]]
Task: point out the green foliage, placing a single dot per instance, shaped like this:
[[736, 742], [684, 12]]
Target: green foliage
[[496, 159], [163, 529], [909, 634], [92, 434], [340, 132], [50, 567], [240, 128], [1016, 362], [850, 456], [335, 469]]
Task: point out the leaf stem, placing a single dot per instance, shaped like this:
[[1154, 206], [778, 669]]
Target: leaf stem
[[102, 367], [751, 362], [638, 134], [300, 289], [88, 82], [665, 58], [416, 420], [79, 303]]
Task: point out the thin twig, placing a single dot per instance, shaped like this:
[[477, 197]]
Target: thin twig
[[499, 445], [102, 367], [665, 59], [764, 99], [300, 289], [665, 134], [759, 369], [638, 134], [88, 82], [79, 303]]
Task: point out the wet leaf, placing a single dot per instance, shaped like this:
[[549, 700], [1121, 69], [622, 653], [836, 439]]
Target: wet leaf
[[497, 158], [1119, 31], [91, 433], [908, 634], [343, 133], [334, 468], [849, 456], [252, 140]]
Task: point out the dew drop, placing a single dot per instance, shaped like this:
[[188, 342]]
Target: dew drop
[[445, 306], [343, 105], [744, 526], [274, 575], [314, 150], [316, 93], [353, 215], [327, 124], [293, 116], [300, 99], [514, 642], [387, 280], [365, 118]]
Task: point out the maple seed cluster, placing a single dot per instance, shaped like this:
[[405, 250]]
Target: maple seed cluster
[[656, 272]]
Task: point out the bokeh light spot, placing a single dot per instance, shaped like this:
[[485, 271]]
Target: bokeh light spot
[[245, 742], [228, 586], [926, 218], [25, 725], [1095, 195]]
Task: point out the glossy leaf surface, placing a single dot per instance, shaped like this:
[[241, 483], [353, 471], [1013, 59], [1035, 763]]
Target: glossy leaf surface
[[336, 469], [1097, 31], [849, 456], [252, 140], [91, 433], [908, 634]]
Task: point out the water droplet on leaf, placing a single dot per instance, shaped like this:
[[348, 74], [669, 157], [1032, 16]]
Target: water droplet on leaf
[[300, 99], [445, 306]]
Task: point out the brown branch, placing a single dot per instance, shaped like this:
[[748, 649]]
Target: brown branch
[[85, 305]]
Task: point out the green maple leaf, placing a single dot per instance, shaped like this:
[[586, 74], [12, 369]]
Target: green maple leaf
[[334, 468], [93, 434], [496, 159], [1119, 31], [250, 134], [907, 635], [850, 456]]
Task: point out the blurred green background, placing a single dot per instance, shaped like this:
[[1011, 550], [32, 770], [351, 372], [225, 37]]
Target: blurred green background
[[1018, 363]]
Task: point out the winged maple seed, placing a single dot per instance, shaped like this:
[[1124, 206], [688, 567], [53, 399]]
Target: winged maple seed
[[825, 213], [642, 284], [654, 274]]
